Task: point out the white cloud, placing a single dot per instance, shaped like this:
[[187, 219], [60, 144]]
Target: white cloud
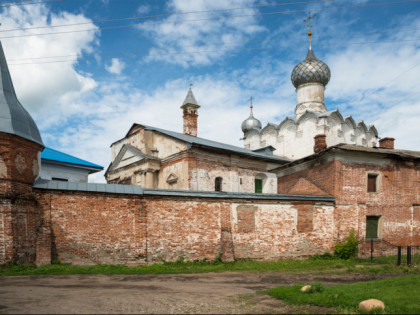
[[116, 66], [144, 8], [45, 86], [169, 37]]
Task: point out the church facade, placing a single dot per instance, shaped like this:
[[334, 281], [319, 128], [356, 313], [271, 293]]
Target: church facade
[[158, 158]]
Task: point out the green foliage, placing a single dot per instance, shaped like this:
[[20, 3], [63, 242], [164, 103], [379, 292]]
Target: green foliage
[[317, 264], [316, 287], [347, 249], [400, 295], [325, 256], [55, 262]]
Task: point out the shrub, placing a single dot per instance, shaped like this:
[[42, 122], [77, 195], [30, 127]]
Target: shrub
[[348, 248], [315, 288], [325, 256]]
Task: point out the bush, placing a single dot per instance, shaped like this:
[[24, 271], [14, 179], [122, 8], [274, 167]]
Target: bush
[[315, 288], [347, 249], [325, 256]]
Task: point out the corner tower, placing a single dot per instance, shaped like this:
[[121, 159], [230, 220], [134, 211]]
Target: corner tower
[[190, 114], [20, 150], [310, 78]]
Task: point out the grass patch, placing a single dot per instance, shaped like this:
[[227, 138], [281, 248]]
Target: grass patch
[[316, 264], [400, 295]]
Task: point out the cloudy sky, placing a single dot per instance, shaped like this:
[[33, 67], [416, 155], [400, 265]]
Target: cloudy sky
[[86, 70]]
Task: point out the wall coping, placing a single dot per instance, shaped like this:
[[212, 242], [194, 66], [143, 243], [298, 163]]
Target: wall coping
[[138, 190]]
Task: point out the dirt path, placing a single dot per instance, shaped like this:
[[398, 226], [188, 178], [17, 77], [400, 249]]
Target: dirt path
[[229, 292]]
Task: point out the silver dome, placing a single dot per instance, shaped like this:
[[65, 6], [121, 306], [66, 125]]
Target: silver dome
[[250, 124], [311, 70]]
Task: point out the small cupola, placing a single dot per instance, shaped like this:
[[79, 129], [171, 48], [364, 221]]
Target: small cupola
[[251, 122], [190, 114]]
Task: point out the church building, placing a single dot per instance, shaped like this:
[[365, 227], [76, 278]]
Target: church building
[[293, 138], [295, 190]]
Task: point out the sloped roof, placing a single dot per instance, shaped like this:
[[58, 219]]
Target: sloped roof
[[213, 144], [190, 99], [355, 148], [14, 119], [57, 156], [138, 190], [397, 152], [130, 148]]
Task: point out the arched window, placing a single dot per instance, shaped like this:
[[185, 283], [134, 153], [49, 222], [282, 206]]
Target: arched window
[[218, 184]]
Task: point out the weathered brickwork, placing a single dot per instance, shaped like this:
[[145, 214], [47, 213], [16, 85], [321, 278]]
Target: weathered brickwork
[[276, 235], [85, 228], [19, 215], [93, 228], [345, 178]]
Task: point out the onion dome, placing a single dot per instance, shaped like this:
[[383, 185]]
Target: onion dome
[[251, 123], [311, 70], [14, 119]]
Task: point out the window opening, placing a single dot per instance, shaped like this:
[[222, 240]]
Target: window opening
[[372, 183], [258, 186], [218, 184], [372, 226], [60, 179]]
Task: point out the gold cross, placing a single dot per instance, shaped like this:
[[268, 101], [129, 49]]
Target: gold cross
[[309, 22], [251, 103], [309, 27]]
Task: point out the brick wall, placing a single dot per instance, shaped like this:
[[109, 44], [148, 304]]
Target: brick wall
[[86, 228], [94, 228], [346, 179], [19, 215]]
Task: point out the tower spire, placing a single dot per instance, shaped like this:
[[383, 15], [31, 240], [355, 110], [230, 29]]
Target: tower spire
[[309, 27]]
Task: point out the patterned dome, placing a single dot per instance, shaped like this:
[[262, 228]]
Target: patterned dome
[[311, 70], [250, 124]]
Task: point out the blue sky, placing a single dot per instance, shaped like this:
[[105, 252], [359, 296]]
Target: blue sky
[[86, 88]]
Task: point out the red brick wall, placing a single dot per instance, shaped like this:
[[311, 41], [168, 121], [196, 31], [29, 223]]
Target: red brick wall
[[395, 201], [19, 215], [273, 232], [95, 228], [323, 176], [183, 228]]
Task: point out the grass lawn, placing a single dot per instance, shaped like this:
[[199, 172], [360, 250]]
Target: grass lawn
[[315, 264], [401, 295]]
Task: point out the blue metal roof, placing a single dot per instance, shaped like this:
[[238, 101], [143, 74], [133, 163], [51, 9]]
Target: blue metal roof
[[54, 155]]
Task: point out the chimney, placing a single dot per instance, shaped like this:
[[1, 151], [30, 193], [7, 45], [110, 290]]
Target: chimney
[[320, 143], [386, 143], [190, 114]]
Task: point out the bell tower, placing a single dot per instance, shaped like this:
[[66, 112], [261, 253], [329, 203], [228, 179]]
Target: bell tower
[[190, 114], [20, 150]]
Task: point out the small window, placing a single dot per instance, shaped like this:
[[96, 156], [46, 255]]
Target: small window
[[258, 186], [60, 179], [218, 184], [372, 226], [372, 183]]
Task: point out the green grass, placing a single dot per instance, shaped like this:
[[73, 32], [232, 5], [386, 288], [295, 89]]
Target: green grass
[[317, 264], [400, 295]]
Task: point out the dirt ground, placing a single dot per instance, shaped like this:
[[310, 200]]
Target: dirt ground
[[229, 292]]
